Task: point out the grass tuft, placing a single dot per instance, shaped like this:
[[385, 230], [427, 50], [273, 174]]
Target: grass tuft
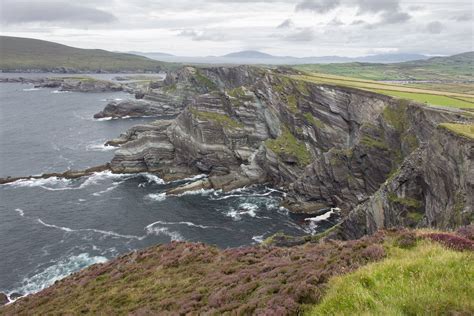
[[425, 280]]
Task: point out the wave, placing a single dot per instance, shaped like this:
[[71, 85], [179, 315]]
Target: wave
[[243, 209], [313, 221], [190, 224], [52, 183], [20, 211], [158, 197], [174, 236], [152, 178], [100, 147], [61, 269], [258, 239], [203, 192], [115, 185], [60, 91], [31, 89], [99, 231]]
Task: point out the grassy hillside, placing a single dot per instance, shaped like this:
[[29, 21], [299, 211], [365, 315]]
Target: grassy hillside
[[31, 54], [424, 280], [454, 68], [438, 97], [182, 278]]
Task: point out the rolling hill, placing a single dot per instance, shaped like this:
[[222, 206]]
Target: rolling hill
[[453, 68], [26, 54]]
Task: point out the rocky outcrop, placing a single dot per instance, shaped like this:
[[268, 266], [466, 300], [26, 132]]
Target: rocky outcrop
[[78, 84], [3, 299], [327, 146], [136, 108]]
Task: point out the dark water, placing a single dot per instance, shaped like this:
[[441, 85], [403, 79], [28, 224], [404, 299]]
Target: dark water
[[52, 227]]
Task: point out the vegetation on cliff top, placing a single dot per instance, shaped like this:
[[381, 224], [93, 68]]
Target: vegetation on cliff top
[[407, 273], [431, 97], [466, 130]]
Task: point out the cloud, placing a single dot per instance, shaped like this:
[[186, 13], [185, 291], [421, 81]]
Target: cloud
[[203, 35], [302, 35], [14, 12], [288, 23], [317, 6], [466, 16], [435, 27]]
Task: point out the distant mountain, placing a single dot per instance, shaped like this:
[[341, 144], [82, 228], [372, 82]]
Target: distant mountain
[[257, 57], [390, 58], [154, 54], [249, 54], [27, 54]]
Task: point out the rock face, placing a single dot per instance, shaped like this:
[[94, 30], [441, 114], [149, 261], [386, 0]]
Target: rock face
[[384, 162], [3, 299], [136, 108], [78, 84]]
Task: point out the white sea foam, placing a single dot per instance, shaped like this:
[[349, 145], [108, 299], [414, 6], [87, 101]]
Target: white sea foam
[[158, 197], [60, 91], [174, 236], [258, 238], [198, 192], [104, 119], [106, 190], [99, 231], [99, 147], [243, 209], [20, 211], [190, 224], [153, 178], [319, 218], [61, 269], [31, 89], [52, 183]]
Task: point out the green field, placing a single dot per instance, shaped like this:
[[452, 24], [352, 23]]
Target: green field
[[454, 68], [31, 54], [429, 97]]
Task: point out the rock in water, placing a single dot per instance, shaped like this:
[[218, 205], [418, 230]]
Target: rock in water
[[15, 296], [135, 108], [3, 299]]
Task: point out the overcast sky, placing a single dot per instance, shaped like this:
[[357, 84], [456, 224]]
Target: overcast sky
[[216, 27]]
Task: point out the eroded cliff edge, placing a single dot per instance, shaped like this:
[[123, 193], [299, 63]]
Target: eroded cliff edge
[[383, 162]]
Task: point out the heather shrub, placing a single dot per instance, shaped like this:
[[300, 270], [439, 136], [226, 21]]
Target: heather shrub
[[466, 232], [406, 239], [451, 241]]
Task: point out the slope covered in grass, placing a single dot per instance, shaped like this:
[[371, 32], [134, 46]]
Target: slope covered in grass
[[427, 279], [458, 67], [429, 97], [31, 54]]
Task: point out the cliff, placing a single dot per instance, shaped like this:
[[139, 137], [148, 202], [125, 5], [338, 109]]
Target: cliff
[[383, 162]]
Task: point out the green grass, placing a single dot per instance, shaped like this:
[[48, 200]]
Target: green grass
[[430, 97], [26, 54], [222, 119], [425, 280], [466, 130], [288, 144], [437, 100], [314, 121], [455, 68]]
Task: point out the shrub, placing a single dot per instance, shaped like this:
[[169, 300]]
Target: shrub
[[451, 241]]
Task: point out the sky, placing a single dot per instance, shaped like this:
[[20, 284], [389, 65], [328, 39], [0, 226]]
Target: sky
[[279, 27]]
